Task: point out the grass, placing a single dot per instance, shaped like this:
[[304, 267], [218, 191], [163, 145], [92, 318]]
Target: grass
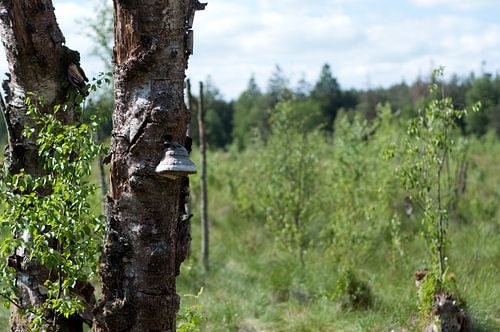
[[252, 285]]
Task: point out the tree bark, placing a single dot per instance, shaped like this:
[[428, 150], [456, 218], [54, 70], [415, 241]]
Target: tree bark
[[147, 229], [203, 179], [38, 63]]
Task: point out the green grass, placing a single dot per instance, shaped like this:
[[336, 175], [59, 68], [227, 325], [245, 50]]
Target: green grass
[[254, 286]]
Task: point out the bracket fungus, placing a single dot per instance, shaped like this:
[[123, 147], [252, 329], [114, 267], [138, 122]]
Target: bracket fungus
[[175, 162]]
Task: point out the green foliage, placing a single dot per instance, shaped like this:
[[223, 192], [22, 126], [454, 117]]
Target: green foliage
[[218, 117], [289, 174], [361, 244], [426, 170], [428, 290], [190, 317], [350, 190], [397, 238], [366, 243], [49, 216], [352, 292], [487, 91], [278, 89], [250, 113], [100, 29], [328, 94], [431, 285], [3, 132], [359, 202], [100, 103]]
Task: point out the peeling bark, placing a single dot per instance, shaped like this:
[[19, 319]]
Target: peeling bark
[[38, 63], [147, 228]]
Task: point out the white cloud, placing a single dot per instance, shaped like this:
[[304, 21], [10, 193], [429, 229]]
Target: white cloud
[[361, 48], [240, 38], [456, 4], [234, 39]]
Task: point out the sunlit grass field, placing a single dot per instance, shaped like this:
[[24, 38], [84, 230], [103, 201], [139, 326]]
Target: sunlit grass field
[[253, 285]]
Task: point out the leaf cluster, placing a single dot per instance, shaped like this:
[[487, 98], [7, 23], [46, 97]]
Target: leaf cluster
[[48, 217]]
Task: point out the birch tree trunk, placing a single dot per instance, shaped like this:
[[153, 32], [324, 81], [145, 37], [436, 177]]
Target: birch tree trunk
[[147, 229], [38, 63]]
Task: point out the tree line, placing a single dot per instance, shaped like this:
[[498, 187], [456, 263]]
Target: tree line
[[235, 122]]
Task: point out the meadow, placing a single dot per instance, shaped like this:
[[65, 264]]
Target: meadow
[[359, 245], [314, 231]]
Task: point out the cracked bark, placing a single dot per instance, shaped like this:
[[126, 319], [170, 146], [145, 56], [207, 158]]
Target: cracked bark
[[38, 63], [147, 228]]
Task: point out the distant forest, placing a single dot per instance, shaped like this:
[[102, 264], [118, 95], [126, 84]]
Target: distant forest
[[237, 122]]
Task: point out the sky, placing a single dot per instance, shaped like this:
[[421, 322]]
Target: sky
[[367, 43]]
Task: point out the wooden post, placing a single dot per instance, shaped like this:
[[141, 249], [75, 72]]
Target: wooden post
[[203, 175], [189, 105], [187, 205], [102, 173]]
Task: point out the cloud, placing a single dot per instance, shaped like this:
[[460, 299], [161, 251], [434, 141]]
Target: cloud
[[456, 4], [364, 42], [362, 47], [410, 47], [245, 37]]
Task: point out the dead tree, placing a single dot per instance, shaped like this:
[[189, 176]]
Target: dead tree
[[102, 172], [189, 137], [147, 228], [38, 63], [203, 180], [189, 105]]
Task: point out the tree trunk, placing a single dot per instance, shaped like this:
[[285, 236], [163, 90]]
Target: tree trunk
[[203, 179], [38, 63], [147, 229]]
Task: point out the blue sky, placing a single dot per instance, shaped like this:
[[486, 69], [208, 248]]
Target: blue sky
[[368, 43]]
